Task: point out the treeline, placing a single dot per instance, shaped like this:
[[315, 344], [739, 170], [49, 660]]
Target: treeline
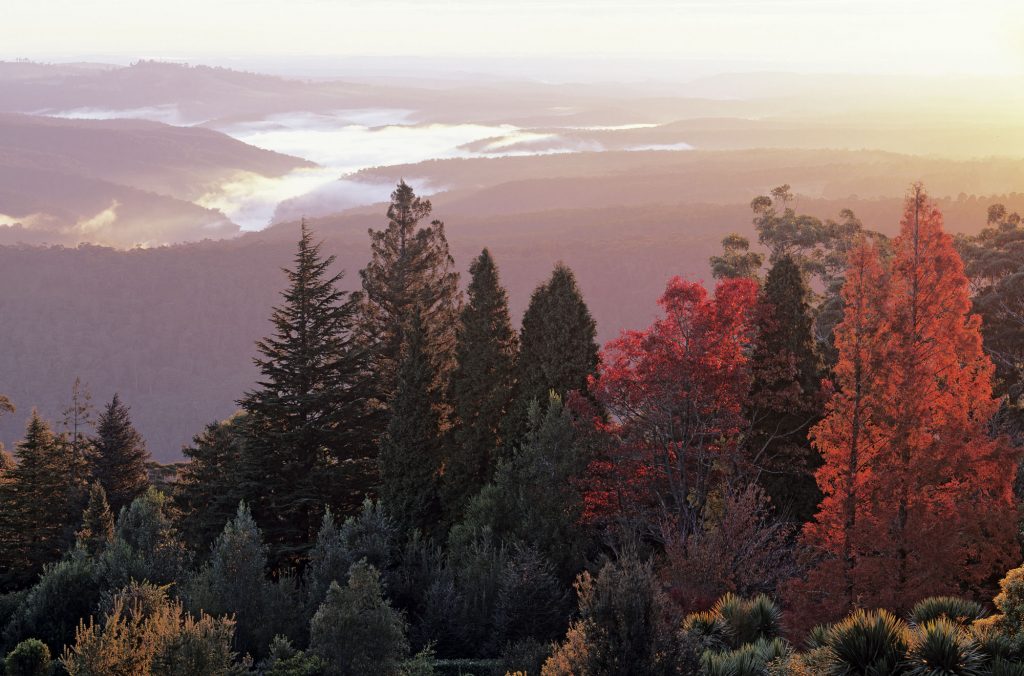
[[415, 487]]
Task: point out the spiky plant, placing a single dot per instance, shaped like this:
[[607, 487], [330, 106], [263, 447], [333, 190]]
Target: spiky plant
[[867, 644], [751, 659], [749, 619], [942, 647], [817, 637], [1001, 667], [708, 630], [962, 611]]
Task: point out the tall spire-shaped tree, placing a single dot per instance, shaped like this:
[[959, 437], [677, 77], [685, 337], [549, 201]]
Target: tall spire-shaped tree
[[409, 267], [410, 451], [557, 347], [120, 456], [481, 385], [97, 522], [310, 433], [78, 419]]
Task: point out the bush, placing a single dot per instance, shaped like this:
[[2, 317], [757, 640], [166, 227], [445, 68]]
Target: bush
[[962, 611], [942, 646], [355, 631], [31, 657], [867, 644], [751, 659]]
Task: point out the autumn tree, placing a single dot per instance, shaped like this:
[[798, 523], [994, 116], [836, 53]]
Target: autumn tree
[[119, 455], [557, 348], [674, 393], [41, 501], [783, 401], [309, 429], [924, 484], [410, 450], [409, 266], [481, 385]]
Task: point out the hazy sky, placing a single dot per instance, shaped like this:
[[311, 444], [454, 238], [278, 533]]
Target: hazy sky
[[901, 36]]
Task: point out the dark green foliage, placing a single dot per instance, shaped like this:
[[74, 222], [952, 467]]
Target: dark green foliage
[[736, 261], [531, 602], [41, 502], [97, 522], [534, 498], [31, 657], [309, 430], [962, 611], [942, 647], [410, 450], [208, 489], [285, 660], [748, 620], [557, 348], [481, 385], [66, 592], [355, 631], [867, 644], [750, 659], [783, 402], [409, 267], [119, 456]]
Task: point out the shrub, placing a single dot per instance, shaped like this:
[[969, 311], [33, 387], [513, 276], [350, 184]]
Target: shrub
[[943, 646], [867, 644], [954, 608], [31, 657], [751, 659], [748, 620]]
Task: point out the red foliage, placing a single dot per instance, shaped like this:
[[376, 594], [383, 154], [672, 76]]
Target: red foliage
[[673, 393], [918, 496]]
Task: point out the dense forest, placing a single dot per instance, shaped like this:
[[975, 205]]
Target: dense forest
[[810, 468]]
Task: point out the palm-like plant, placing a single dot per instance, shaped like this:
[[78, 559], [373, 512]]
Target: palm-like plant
[[751, 659], [749, 619], [941, 647], [962, 611], [867, 644]]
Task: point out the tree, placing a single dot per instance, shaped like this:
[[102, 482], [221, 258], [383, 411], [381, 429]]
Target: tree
[[674, 393], [41, 501], [918, 499], [309, 430], [783, 401], [78, 419], [97, 522], [481, 385], [557, 348], [410, 450], [736, 261], [208, 488], [409, 267], [31, 657], [120, 457], [355, 631]]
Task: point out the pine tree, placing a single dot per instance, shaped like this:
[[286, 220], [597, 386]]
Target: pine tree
[[410, 450], [97, 522], [209, 487], [78, 419], [783, 399], [309, 431], [41, 501], [481, 385], [557, 348], [120, 456], [409, 266]]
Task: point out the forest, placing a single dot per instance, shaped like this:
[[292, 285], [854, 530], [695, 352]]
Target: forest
[[808, 467]]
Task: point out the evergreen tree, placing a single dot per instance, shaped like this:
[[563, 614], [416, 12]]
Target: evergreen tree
[[120, 456], [409, 267], [97, 522], [783, 402], [309, 431], [41, 501], [557, 348], [410, 450], [208, 488], [737, 260], [78, 419], [481, 385]]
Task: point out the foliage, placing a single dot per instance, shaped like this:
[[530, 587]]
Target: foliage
[[355, 631], [737, 260], [97, 523], [945, 647], [31, 657], [867, 644], [309, 432], [119, 456], [959, 610]]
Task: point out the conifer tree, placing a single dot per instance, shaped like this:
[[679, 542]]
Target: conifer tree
[[557, 348], [309, 432], [783, 401], [120, 456], [97, 522], [409, 267], [78, 419], [481, 385], [410, 450], [41, 501]]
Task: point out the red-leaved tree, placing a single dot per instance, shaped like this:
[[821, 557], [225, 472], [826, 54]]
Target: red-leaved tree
[[674, 395]]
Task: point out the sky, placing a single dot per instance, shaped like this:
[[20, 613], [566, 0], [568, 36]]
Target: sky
[[643, 38]]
